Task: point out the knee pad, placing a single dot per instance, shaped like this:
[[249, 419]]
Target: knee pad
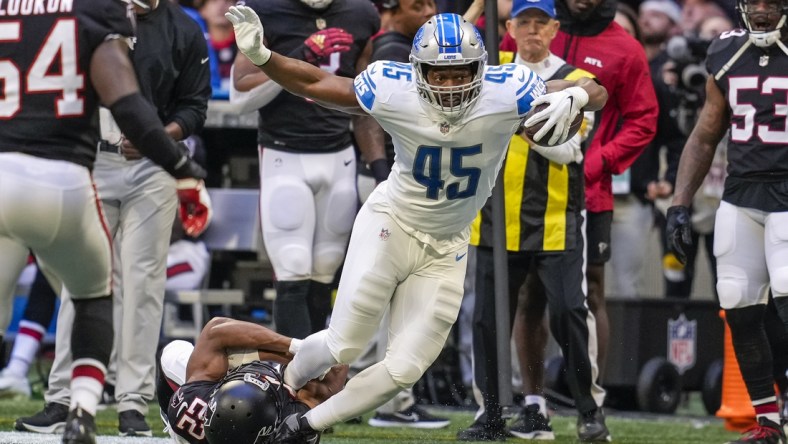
[[404, 372], [341, 208], [289, 204], [295, 262], [779, 281], [326, 263], [731, 286]]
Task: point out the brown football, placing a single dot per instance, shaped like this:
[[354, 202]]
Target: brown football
[[530, 131]]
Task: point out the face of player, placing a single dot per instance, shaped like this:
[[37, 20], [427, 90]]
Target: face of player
[[450, 79], [533, 30], [582, 9], [764, 15], [411, 14]]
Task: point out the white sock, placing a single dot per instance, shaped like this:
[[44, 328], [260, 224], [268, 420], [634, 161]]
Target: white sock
[[538, 400], [87, 383], [25, 348]]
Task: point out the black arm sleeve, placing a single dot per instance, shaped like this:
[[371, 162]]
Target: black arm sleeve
[[138, 121], [192, 88]]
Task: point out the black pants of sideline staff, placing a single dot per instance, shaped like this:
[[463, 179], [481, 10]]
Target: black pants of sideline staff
[[570, 321]]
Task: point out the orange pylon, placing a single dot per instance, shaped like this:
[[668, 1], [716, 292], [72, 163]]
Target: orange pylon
[[736, 407]]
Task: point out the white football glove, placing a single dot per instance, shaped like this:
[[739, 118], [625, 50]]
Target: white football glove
[[248, 34], [565, 153], [563, 107]]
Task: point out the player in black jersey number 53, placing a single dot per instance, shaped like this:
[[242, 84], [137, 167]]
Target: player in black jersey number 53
[[746, 94]]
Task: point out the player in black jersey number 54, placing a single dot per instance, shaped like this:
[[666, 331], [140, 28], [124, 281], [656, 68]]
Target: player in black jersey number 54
[[746, 94], [57, 62]]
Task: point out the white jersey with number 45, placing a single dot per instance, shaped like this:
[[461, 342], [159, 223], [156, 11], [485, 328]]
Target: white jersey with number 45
[[443, 171]]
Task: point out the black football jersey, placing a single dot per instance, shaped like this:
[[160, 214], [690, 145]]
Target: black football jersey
[[188, 406], [291, 122], [48, 106], [756, 88]]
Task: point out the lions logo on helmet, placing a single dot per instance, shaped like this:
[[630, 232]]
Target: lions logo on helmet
[[448, 40], [758, 16]]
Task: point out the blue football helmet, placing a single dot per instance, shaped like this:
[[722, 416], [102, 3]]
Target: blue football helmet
[[448, 40]]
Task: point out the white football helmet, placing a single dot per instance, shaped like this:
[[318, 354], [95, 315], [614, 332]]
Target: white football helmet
[[750, 17], [448, 40]]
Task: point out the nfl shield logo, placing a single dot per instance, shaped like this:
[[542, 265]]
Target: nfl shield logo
[[682, 338]]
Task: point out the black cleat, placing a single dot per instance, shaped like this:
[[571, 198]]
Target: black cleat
[[295, 429], [765, 432], [532, 424], [480, 431], [591, 427], [80, 428], [50, 420], [132, 423]]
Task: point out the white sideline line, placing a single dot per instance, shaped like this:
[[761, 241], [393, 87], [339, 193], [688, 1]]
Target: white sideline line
[[36, 438]]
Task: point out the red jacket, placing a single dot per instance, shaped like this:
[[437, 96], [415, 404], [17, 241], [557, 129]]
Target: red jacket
[[629, 120]]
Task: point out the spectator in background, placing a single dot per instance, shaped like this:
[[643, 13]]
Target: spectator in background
[[220, 39], [711, 27], [634, 215], [693, 12], [308, 195], [139, 202], [627, 18], [679, 277], [589, 39]]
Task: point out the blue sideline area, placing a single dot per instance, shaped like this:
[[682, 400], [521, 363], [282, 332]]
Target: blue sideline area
[[20, 302]]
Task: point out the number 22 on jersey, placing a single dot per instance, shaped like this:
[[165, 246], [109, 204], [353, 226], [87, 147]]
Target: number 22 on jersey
[[43, 76]]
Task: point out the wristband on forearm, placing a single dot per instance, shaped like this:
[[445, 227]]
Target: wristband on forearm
[[380, 169], [138, 121]]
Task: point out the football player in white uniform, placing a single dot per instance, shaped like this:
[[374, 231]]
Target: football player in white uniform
[[450, 118]]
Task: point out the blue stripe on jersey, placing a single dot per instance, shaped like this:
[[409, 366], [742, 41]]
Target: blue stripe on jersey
[[365, 90], [526, 84], [448, 34], [532, 89]]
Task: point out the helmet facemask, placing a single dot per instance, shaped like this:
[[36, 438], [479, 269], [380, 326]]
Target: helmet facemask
[[447, 40], [757, 22]]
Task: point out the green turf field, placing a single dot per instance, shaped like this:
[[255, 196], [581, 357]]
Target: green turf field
[[625, 428]]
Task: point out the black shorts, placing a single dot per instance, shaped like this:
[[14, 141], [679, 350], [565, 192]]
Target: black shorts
[[598, 236]]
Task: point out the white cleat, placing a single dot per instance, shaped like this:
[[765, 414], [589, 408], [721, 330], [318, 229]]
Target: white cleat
[[12, 386]]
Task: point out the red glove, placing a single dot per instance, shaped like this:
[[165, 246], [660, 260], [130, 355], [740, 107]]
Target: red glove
[[195, 206], [323, 43]]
